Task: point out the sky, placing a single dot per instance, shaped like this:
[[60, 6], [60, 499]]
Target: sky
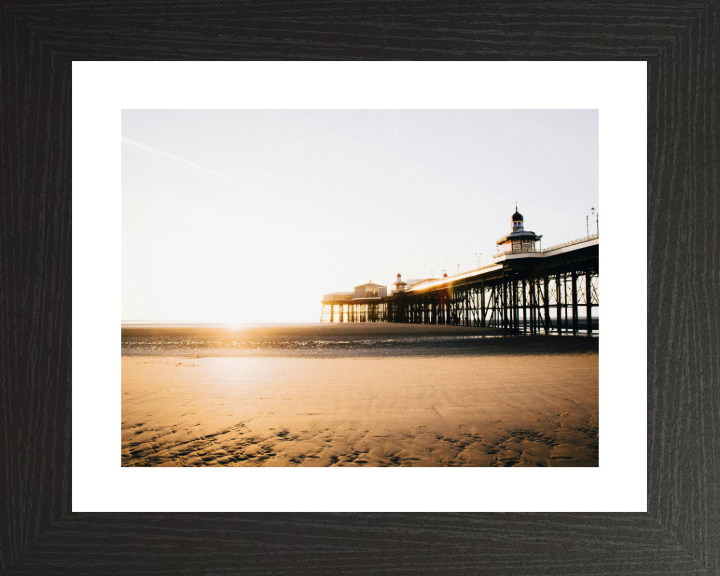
[[245, 216]]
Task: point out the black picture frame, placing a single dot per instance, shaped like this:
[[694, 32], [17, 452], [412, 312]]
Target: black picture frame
[[681, 530]]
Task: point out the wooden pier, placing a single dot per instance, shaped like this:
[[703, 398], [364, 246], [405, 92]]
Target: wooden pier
[[527, 290], [536, 295], [552, 291]]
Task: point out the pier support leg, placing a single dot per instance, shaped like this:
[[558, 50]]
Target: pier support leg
[[588, 301], [476, 307], [524, 304], [466, 304], [493, 307], [508, 305], [504, 306], [565, 293], [534, 306], [467, 308], [482, 306], [546, 302], [332, 312], [558, 299], [496, 307], [538, 315], [574, 302], [531, 290]]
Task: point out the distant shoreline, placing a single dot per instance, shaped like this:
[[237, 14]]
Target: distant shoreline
[[229, 325]]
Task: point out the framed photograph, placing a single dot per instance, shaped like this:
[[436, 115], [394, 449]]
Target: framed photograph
[[169, 479], [493, 365]]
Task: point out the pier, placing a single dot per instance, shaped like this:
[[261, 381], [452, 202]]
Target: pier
[[526, 290]]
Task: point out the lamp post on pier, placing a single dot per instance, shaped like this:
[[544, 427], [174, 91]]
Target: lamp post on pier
[[597, 219]]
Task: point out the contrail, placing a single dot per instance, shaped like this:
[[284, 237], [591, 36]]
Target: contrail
[[178, 159]]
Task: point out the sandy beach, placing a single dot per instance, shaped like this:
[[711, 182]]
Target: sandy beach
[[357, 395]]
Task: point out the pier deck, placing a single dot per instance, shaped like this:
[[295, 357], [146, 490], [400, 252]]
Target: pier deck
[[532, 291]]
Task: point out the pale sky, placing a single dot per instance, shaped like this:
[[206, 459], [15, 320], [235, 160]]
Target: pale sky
[[252, 215]]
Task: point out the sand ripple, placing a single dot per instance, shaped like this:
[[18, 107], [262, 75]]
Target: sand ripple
[[469, 410]]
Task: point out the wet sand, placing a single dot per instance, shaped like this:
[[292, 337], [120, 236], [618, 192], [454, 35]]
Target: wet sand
[[500, 402]]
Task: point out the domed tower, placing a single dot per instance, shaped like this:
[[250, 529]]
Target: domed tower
[[399, 284], [517, 221], [519, 240]]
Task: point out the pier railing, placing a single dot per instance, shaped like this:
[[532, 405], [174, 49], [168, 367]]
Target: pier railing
[[521, 251], [341, 297], [570, 243]]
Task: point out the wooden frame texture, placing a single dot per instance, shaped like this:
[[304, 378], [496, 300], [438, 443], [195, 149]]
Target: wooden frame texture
[[680, 533]]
